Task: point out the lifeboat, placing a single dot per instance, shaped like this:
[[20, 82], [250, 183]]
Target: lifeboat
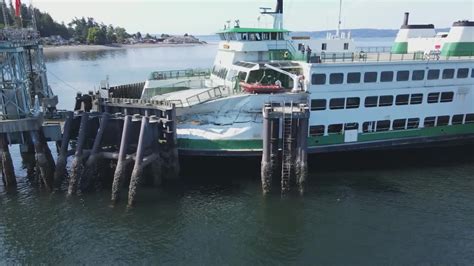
[[261, 88]]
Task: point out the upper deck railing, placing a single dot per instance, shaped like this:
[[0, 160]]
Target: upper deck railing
[[367, 57], [176, 74]]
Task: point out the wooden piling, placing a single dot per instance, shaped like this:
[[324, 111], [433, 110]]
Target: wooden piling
[[121, 162], [78, 162], [90, 169], [8, 171], [138, 167], [172, 144], [267, 166], [44, 159], [61, 162], [157, 164], [302, 157], [27, 153]]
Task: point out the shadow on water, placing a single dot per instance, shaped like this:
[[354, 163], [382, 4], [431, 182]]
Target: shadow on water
[[215, 169]]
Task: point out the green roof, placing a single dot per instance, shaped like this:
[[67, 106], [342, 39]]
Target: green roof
[[251, 30]]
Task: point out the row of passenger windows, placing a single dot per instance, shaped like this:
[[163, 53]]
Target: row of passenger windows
[[380, 101], [389, 76], [398, 124]]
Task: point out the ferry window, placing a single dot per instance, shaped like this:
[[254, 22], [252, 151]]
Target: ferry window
[[442, 120], [457, 119], [469, 119], [433, 97], [368, 127], [463, 73], [371, 101], [416, 98], [318, 79], [346, 46], [472, 73], [383, 125], [243, 36], [266, 36], [316, 130], [318, 104], [370, 77], [280, 36], [242, 76], [386, 100], [399, 124], [273, 35], [353, 77], [430, 121], [448, 73], [351, 126], [413, 123], [418, 75], [447, 97], [433, 74], [402, 99], [403, 75], [353, 102], [337, 103], [324, 46], [386, 76], [336, 78], [335, 129]]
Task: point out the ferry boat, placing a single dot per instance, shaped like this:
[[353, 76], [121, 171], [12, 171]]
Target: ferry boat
[[419, 94]]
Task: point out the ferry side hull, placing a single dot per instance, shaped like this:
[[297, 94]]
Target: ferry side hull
[[423, 137]]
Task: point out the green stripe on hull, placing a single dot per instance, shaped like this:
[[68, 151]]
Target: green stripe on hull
[[400, 48], [251, 145], [458, 49], [204, 144]]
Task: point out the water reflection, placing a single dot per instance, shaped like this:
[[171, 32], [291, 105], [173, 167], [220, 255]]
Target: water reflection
[[84, 55]]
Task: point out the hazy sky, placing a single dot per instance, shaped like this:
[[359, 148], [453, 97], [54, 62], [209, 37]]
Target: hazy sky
[[208, 16]]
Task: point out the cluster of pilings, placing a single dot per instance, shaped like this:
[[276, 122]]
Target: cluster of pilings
[[285, 133], [129, 139], [34, 149]]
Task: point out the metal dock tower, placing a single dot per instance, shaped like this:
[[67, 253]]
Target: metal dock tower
[[285, 129], [25, 100]]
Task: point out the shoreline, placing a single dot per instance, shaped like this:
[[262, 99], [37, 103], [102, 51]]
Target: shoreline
[[95, 48]]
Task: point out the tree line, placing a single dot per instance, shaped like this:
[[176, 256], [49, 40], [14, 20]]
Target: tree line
[[82, 30]]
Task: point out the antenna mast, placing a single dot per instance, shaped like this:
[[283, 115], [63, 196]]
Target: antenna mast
[[277, 14], [4, 13], [33, 16], [338, 33]]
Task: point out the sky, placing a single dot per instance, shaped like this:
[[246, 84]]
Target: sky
[[202, 17]]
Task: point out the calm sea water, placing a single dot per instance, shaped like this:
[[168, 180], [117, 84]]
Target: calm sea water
[[404, 207]]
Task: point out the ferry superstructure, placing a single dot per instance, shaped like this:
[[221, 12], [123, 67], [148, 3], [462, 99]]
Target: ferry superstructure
[[405, 98]]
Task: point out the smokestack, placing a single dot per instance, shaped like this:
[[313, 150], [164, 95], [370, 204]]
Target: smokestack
[[405, 20], [279, 7]]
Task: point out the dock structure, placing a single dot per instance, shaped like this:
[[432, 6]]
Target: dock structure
[[25, 101], [134, 136], [285, 132]]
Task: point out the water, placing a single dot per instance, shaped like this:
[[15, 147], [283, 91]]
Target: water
[[404, 207]]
